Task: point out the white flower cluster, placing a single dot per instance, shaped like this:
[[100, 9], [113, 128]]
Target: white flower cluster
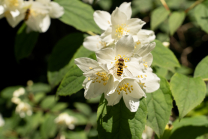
[[65, 120], [22, 108], [36, 14], [1, 121], [123, 61]]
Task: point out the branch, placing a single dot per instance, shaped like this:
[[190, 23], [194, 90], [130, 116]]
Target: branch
[[165, 5], [193, 5], [205, 79]]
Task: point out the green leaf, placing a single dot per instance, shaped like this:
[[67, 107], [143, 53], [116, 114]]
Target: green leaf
[[49, 127], [201, 14], [76, 135], [161, 71], [175, 21], [61, 55], [117, 122], [48, 102], [159, 105], [200, 70], [187, 92], [8, 92], [59, 106], [164, 57], [83, 108], [72, 82], [158, 16], [24, 42], [194, 126], [40, 88], [78, 15], [38, 97], [80, 118], [184, 70]]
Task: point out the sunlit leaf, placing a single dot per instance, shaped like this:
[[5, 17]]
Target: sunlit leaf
[[158, 16], [187, 92], [201, 69], [175, 21], [164, 57], [159, 105], [78, 15], [117, 122]]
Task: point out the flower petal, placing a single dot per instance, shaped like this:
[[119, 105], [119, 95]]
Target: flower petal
[[146, 49], [134, 66], [105, 55], [153, 84], [1, 9], [44, 24], [86, 64], [56, 10], [125, 46], [134, 25], [118, 17], [102, 19], [14, 21], [92, 43], [131, 103], [148, 58], [144, 34], [126, 8], [107, 36]]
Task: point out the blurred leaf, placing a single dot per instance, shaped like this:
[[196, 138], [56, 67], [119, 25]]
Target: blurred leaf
[[72, 82], [105, 4], [93, 119], [61, 56], [76, 135], [59, 106], [187, 92], [159, 106], [184, 70], [201, 15], [117, 122], [163, 37], [164, 57], [49, 127], [78, 15], [8, 92], [83, 108], [24, 42], [175, 21], [80, 118], [93, 134], [141, 6], [194, 126], [38, 97], [40, 87], [200, 69], [158, 16], [48, 102]]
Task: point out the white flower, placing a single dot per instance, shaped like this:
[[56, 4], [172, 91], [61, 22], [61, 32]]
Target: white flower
[[166, 44], [97, 76], [12, 10], [55, 10], [16, 100], [1, 121], [24, 109], [64, 119], [123, 51], [39, 13], [118, 24], [19, 92], [95, 43], [129, 89], [147, 133]]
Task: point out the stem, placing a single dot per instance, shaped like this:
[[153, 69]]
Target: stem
[[193, 5], [205, 79], [91, 33], [165, 5]]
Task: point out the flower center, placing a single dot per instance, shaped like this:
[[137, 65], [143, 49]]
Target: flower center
[[125, 87], [121, 30], [101, 77]]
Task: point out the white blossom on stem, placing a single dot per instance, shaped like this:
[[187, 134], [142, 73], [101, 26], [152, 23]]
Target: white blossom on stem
[[118, 24], [2, 122], [65, 120], [24, 109], [98, 80]]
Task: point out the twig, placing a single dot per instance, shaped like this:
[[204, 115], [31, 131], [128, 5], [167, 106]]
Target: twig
[[91, 33], [165, 5], [193, 5], [205, 79]]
